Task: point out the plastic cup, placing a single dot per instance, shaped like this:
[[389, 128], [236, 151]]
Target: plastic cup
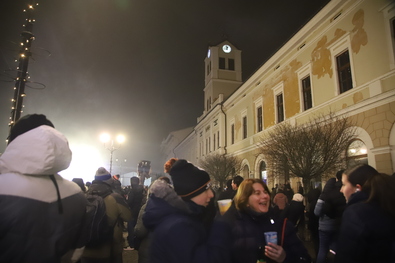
[[224, 205], [271, 237]]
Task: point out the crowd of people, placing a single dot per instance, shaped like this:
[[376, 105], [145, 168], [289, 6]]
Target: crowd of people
[[44, 217]]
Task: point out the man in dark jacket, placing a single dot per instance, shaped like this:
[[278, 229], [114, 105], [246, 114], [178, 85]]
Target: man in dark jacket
[[174, 217], [135, 200], [229, 193], [117, 212], [41, 213]]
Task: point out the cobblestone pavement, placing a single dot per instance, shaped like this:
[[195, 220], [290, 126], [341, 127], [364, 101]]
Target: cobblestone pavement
[[130, 256]]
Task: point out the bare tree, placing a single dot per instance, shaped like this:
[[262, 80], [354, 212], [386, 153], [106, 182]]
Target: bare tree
[[308, 150], [220, 167]]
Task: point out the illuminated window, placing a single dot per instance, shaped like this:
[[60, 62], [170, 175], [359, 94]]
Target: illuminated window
[[357, 153], [263, 172]]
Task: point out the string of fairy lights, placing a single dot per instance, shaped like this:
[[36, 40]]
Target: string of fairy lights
[[22, 73]]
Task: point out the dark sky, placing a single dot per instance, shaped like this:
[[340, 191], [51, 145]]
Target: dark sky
[[133, 67]]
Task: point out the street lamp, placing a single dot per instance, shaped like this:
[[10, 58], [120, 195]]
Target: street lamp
[[109, 144]]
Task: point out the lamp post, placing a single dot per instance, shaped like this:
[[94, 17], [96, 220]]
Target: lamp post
[[109, 144]]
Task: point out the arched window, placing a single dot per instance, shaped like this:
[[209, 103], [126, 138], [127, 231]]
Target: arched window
[[356, 153], [262, 172], [246, 171]]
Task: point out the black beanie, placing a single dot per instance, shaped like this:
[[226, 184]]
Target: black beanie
[[27, 123], [188, 180]]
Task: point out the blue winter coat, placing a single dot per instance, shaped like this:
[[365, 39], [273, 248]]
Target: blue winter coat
[[177, 231]]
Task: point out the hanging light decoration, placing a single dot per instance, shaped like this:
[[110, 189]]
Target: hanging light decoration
[[24, 55]]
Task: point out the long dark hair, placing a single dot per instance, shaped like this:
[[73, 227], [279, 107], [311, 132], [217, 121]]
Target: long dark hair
[[360, 174], [381, 190]]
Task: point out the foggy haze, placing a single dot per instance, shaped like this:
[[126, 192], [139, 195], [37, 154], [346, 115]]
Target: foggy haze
[[132, 67]]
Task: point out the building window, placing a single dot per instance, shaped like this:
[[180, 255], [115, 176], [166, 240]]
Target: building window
[[389, 16], [231, 64], [263, 172], [208, 107], [357, 153], [246, 171], [218, 139], [393, 36], [344, 71], [280, 107], [306, 91], [232, 134], [214, 145], [221, 63], [259, 120], [244, 127]]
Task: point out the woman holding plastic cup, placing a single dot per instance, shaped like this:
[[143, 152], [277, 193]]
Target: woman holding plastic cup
[[253, 223]]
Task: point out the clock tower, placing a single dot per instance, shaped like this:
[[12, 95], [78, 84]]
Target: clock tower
[[222, 73]]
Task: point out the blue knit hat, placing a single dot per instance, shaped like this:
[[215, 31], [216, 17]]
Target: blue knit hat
[[102, 174]]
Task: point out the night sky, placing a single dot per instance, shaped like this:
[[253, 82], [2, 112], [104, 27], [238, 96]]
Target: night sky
[[132, 67]]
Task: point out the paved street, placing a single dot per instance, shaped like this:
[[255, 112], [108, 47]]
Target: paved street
[[130, 256]]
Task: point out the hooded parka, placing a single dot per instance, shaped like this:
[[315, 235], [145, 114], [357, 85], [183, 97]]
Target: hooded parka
[[41, 213]]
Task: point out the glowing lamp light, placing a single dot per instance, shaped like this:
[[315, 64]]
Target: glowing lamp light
[[105, 137], [353, 150], [120, 138], [364, 151]]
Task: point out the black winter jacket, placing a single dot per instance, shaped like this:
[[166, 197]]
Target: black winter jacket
[[248, 236], [366, 234]]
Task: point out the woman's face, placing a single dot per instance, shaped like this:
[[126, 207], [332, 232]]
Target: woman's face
[[204, 198], [259, 200], [347, 188]]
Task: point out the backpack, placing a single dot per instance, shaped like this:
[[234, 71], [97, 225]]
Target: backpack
[[96, 230]]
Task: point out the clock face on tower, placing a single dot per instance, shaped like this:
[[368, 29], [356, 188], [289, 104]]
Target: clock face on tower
[[226, 48], [208, 53]]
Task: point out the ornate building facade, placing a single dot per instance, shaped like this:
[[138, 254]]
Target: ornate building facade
[[342, 61]]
